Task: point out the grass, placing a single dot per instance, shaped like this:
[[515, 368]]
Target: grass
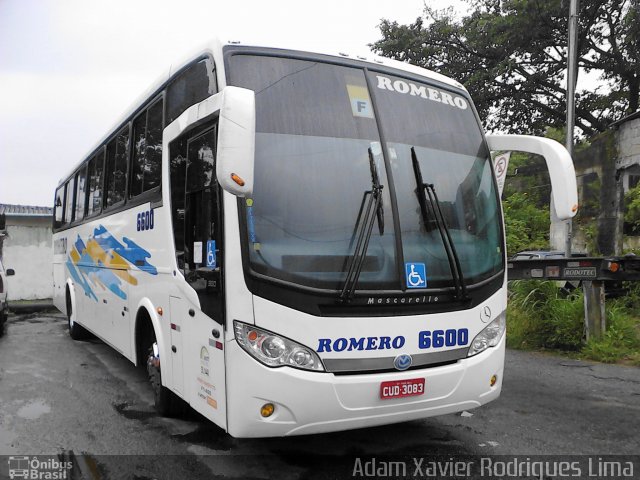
[[542, 316]]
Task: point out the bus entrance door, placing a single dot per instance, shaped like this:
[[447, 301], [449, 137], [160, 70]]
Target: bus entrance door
[[203, 326]]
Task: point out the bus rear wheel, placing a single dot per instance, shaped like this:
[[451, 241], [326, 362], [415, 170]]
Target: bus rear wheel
[[76, 331]]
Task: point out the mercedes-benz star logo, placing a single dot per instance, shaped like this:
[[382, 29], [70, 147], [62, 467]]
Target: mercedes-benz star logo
[[402, 362], [485, 314]]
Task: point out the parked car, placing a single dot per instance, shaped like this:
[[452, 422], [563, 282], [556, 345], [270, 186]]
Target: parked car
[[4, 310]]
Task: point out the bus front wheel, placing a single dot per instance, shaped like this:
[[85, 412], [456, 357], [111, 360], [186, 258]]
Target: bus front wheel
[[166, 403]]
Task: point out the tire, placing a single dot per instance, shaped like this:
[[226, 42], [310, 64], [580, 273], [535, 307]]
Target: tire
[[3, 321], [165, 401], [76, 331]]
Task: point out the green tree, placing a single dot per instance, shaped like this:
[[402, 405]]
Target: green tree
[[632, 208], [527, 226], [511, 56]]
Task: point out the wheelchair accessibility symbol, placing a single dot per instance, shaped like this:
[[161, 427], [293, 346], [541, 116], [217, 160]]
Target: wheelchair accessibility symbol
[[211, 254], [416, 275]]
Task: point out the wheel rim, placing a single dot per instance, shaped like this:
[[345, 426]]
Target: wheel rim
[[70, 314], [153, 368]]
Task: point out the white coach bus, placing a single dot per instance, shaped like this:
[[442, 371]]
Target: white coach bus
[[296, 243]]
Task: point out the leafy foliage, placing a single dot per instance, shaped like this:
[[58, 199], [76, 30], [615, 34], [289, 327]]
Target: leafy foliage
[[632, 208], [526, 204], [511, 56], [542, 316], [527, 226], [621, 340]]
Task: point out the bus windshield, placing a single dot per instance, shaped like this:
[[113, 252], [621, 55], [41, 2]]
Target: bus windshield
[[317, 127]]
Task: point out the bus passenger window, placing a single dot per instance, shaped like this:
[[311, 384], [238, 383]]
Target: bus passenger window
[[153, 163], [96, 166], [192, 86], [81, 180], [147, 159], [117, 167], [59, 207], [68, 209]]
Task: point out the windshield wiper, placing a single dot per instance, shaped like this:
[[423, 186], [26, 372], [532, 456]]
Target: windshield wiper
[[430, 203], [362, 230]]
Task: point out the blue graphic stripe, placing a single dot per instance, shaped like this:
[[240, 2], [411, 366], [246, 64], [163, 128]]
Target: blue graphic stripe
[[80, 280], [132, 253]]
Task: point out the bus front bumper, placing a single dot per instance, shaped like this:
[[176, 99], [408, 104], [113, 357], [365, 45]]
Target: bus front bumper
[[312, 402]]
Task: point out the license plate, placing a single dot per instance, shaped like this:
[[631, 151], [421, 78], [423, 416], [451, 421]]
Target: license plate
[[402, 388]]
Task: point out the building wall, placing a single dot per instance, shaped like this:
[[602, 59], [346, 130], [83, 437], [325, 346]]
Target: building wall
[[600, 201], [28, 250], [605, 172], [628, 144]]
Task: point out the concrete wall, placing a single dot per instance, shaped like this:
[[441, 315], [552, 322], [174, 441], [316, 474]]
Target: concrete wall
[[628, 144], [604, 171], [27, 249]]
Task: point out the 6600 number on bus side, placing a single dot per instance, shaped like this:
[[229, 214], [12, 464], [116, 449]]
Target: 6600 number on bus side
[[144, 221]]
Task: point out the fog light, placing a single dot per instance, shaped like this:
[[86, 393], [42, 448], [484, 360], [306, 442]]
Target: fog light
[[494, 379], [267, 410]]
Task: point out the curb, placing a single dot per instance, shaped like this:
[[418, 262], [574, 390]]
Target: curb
[[30, 306]]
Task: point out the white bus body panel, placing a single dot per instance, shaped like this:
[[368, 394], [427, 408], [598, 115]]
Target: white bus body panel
[[315, 402], [113, 270], [309, 402]]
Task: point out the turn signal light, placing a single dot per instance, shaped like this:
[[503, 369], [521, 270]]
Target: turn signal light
[[237, 179], [613, 266], [493, 380]]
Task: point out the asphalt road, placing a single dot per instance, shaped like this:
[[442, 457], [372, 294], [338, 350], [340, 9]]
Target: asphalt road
[[84, 402]]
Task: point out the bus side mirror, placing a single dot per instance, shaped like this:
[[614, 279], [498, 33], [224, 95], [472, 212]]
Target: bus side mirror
[[561, 171], [236, 141]]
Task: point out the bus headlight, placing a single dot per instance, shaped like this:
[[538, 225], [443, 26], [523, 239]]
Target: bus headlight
[[273, 350], [490, 336]]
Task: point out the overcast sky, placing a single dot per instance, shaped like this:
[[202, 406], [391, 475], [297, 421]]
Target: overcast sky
[[70, 68]]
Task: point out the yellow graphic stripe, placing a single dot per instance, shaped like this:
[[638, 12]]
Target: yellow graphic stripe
[[113, 260], [75, 256]]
